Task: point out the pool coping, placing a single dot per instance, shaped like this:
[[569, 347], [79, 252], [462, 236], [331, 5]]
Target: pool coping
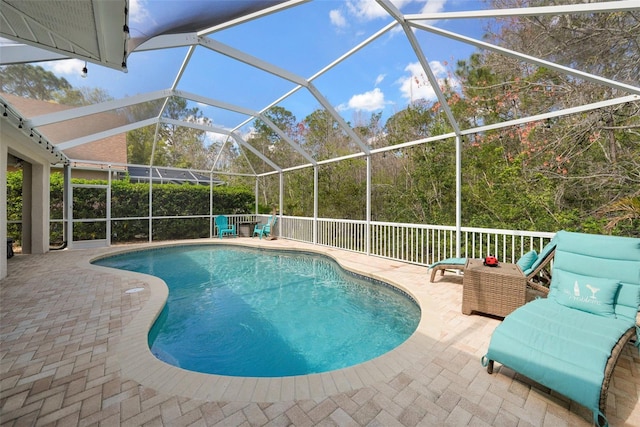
[[139, 364]]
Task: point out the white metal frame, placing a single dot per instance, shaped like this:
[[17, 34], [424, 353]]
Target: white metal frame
[[409, 24]]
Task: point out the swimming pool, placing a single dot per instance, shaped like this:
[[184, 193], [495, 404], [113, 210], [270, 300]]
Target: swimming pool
[[262, 313]]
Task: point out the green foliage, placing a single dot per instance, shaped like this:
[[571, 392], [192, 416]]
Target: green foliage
[[131, 200], [176, 146], [14, 205], [339, 197], [32, 81], [577, 172]]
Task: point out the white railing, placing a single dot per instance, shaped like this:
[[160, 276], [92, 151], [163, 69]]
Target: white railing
[[295, 228], [342, 234], [413, 243]]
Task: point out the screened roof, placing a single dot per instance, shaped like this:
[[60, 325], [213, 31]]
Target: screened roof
[[232, 61], [168, 175]]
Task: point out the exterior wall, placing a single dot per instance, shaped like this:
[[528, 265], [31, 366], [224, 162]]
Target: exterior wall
[[3, 208], [36, 167], [27, 175], [40, 208], [85, 174], [112, 149]]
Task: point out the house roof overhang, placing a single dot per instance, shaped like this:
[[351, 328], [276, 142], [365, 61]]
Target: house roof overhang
[[92, 30]]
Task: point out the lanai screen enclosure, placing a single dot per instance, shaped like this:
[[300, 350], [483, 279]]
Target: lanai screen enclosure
[[236, 60]]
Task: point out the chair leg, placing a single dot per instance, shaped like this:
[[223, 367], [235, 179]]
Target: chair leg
[[490, 367]]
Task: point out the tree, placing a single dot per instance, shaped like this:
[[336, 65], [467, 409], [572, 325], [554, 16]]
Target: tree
[[176, 145], [32, 81], [591, 158]]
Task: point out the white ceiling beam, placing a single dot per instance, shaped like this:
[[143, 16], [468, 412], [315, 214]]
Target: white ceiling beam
[[169, 41], [516, 122], [242, 143], [530, 59], [252, 115], [288, 140], [553, 114], [74, 113], [198, 126], [250, 17], [215, 103], [480, 129], [183, 67], [222, 131], [241, 110], [357, 48], [105, 134], [176, 80], [611, 6], [327, 68], [413, 41], [408, 144], [251, 60], [19, 53], [338, 118]]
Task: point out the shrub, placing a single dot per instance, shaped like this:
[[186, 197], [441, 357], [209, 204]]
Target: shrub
[[131, 200]]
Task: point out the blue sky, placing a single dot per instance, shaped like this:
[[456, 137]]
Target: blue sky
[[382, 77]]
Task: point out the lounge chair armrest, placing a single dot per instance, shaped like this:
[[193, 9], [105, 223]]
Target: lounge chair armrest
[[538, 287]]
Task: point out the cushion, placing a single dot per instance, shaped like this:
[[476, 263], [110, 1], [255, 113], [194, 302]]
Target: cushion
[[627, 301], [594, 295], [450, 261], [527, 260], [559, 347], [545, 252]]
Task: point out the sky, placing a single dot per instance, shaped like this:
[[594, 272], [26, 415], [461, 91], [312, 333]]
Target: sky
[[383, 77]]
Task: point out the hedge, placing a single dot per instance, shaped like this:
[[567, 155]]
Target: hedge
[[131, 200]]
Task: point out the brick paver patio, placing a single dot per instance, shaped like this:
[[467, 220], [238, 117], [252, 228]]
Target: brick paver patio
[[71, 354]]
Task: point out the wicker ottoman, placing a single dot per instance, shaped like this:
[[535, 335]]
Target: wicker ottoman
[[492, 290]]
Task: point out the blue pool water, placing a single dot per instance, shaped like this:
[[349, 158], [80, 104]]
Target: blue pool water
[[261, 313]]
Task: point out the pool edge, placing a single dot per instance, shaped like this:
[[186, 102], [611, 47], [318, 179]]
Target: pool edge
[[138, 363]]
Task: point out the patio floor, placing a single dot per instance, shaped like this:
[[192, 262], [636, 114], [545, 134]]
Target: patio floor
[[73, 352]]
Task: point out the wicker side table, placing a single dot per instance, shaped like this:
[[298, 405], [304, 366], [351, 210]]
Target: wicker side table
[[492, 290]]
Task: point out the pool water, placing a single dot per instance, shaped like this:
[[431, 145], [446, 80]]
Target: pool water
[[262, 313]]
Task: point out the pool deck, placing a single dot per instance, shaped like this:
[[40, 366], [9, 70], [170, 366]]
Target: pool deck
[[73, 352]]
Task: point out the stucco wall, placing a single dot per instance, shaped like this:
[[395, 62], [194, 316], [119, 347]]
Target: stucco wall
[[13, 141]]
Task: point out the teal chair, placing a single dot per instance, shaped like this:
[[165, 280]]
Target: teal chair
[[265, 229], [224, 228], [531, 264], [571, 340]]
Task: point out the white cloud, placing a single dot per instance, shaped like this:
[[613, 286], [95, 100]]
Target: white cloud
[[433, 6], [138, 12], [368, 101], [369, 10], [337, 18], [365, 9], [416, 85], [380, 78], [69, 67]]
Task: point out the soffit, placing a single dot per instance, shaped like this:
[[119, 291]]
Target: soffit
[[93, 30]]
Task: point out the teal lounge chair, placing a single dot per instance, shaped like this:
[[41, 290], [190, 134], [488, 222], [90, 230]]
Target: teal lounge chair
[[570, 341], [265, 229], [447, 264], [224, 228], [531, 264]]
